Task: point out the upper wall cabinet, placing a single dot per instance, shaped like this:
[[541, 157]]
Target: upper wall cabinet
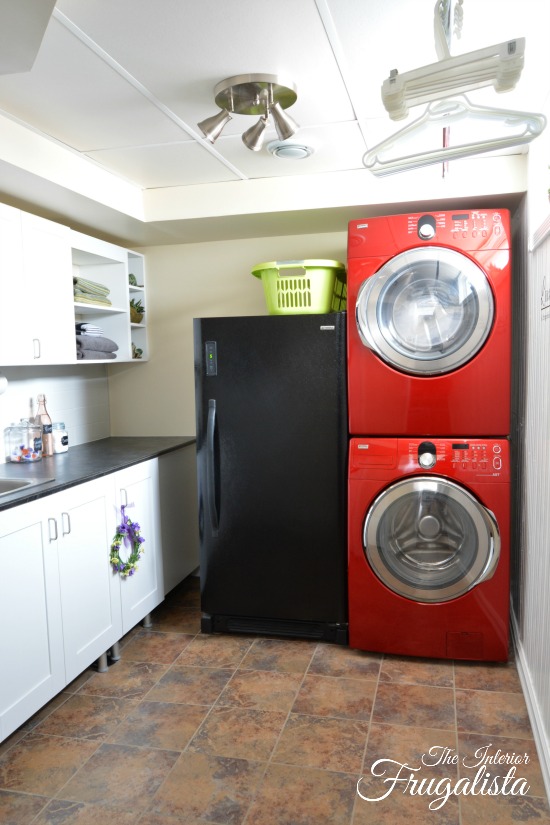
[[46, 270], [13, 299], [35, 265], [52, 278]]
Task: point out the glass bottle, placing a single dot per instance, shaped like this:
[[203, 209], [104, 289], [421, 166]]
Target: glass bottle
[[42, 417]]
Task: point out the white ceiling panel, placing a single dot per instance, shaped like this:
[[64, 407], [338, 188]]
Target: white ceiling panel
[[164, 165], [75, 97]]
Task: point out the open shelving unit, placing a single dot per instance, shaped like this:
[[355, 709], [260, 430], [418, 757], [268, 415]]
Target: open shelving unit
[[110, 265]]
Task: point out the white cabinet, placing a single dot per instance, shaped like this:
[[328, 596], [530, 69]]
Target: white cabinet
[[12, 293], [110, 266], [178, 508], [36, 290], [31, 641], [47, 283], [90, 597], [62, 606], [137, 488]]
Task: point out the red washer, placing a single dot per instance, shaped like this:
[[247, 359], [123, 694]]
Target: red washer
[[429, 324], [429, 558]]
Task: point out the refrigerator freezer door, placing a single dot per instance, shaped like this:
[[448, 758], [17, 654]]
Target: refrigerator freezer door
[[271, 455]]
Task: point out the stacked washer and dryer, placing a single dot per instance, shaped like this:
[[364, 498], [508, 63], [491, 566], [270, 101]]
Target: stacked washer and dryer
[[429, 352]]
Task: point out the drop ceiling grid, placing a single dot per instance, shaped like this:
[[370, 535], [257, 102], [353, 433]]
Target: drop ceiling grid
[[76, 98], [208, 41]]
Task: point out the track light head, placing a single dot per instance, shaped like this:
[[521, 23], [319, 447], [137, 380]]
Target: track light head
[[284, 124], [253, 138], [212, 126]]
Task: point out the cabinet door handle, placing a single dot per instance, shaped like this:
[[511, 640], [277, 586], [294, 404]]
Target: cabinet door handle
[[36, 346], [50, 520], [123, 497], [68, 518]]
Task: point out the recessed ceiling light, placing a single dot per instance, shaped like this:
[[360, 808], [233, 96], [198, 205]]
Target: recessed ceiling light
[[289, 151]]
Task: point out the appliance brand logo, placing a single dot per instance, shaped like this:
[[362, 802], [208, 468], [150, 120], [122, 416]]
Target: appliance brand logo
[[491, 773]]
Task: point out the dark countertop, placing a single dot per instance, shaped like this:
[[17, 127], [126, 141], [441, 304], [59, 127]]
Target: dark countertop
[[84, 463]]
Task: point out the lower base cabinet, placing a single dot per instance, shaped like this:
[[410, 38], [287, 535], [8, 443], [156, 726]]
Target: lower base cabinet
[[31, 641], [61, 603], [137, 489], [90, 593]]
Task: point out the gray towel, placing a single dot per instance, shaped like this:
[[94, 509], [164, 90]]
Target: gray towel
[[96, 342], [94, 355]]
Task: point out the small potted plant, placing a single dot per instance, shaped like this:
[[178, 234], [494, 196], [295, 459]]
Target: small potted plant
[[137, 311]]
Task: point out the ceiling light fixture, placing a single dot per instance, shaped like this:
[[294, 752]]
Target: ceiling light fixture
[[253, 94]]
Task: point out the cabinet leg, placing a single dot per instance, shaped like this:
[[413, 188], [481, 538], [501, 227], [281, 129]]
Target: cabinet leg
[[102, 666], [147, 621], [114, 654]]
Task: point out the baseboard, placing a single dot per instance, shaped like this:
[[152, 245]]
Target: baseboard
[[535, 717]]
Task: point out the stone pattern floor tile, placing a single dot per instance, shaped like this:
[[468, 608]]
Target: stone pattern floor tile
[[196, 729]]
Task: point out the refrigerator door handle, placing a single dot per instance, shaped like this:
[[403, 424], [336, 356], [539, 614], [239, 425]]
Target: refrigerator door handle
[[211, 467]]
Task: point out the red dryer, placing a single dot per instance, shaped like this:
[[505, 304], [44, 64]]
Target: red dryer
[[428, 544], [429, 324]]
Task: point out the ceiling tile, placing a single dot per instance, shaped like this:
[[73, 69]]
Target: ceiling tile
[[75, 97], [169, 164]]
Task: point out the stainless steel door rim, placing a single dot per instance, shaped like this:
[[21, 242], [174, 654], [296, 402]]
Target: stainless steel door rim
[[430, 540], [426, 311]]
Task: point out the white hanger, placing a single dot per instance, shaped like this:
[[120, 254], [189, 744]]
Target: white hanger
[[442, 113], [499, 65]]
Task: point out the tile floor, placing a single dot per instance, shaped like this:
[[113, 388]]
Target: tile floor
[[188, 729]]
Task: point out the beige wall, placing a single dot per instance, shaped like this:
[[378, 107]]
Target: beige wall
[[187, 281]]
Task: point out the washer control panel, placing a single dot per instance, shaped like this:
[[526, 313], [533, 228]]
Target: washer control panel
[[461, 457], [466, 460]]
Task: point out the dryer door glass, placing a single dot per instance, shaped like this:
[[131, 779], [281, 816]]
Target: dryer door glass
[[426, 311], [430, 540]]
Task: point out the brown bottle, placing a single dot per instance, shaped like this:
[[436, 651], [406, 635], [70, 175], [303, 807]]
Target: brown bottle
[[42, 417]]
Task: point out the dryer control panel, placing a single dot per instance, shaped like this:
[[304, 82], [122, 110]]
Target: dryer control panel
[[465, 230]]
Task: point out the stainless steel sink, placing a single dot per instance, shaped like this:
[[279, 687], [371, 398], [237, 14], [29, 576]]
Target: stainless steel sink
[[14, 485]]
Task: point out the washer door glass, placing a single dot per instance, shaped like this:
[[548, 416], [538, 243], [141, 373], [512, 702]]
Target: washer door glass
[[426, 311], [430, 540]]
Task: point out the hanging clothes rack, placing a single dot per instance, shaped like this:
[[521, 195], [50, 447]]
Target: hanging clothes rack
[[442, 86], [499, 66]]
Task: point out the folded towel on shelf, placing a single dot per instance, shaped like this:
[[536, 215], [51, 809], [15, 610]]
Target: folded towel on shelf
[[94, 355], [98, 343], [86, 298], [91, 287], [85, 328]]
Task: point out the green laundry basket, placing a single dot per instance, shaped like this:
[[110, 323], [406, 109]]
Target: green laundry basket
[[307, 287]]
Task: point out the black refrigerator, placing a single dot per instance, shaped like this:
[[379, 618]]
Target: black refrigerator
[[271, 407]]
